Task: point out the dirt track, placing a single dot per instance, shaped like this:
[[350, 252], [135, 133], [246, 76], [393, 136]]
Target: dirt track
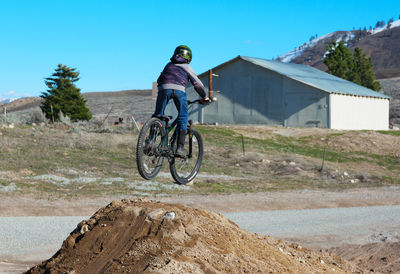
[[306, 199]]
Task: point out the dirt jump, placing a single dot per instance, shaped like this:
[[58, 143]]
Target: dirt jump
[[140, 235]]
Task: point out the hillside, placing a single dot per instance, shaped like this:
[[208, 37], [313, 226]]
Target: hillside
[[382, 45], [121, 104], [113, 104], [391, 87], [22, 104]]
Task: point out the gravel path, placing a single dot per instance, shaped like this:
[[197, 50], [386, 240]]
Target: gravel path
[[25, 241], [325, 227]]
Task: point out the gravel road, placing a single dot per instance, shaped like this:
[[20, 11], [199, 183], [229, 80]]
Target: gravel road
[[325, 227], [26, 241], [29, 240]]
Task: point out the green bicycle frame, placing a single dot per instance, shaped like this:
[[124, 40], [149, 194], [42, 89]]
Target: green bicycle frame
[[164, 141]]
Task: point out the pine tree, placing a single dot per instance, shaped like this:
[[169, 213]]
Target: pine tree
[[63, 96], [354, 67], [380, 24], [363, 73], [339, 61]]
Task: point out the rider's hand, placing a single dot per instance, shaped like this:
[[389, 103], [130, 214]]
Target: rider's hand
[[205, 100]]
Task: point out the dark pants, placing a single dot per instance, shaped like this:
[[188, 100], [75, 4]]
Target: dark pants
[[180, 102]]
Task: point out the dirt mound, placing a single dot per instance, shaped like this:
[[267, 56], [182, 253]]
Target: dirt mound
[[374, 257], [146, 236]]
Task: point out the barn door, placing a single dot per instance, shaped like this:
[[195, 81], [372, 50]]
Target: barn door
[[304, 109]]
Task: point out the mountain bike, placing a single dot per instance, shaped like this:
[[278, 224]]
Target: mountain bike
[[154, 145]]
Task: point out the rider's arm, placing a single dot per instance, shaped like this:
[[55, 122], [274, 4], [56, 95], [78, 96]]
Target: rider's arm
[[197, 84]]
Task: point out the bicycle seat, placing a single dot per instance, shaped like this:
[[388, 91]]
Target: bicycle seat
[[165, 118]]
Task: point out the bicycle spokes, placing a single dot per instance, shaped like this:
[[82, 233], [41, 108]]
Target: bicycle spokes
[[152, 141], [185, 169], [148, 152]]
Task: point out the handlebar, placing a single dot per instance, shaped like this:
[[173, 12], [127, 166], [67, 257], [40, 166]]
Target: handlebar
[[198, 101], [194, 102]]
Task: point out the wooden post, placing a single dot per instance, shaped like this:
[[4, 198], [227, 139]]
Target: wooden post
[[5, 114], [52, 113], [154, 91], [323, 155], [243, 145], [134, 121], [108, 114], [210, 83]]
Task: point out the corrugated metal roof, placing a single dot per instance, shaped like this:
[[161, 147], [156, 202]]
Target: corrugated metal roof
[[315, 77]]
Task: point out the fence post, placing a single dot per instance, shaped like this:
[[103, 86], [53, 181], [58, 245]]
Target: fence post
[[323, 156], [243, 145], [108, 114], [52, 113], [134, 121], [5, 114]]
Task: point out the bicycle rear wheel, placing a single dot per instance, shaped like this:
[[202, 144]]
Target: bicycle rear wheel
[[148, 155], [185, 170]]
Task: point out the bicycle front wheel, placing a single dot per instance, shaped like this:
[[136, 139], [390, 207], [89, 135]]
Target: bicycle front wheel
[[184, 170], [148, 155]]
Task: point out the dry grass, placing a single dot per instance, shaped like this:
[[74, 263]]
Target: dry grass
[[82, 160]]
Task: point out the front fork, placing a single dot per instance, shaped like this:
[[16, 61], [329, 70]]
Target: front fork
[[190, 134]]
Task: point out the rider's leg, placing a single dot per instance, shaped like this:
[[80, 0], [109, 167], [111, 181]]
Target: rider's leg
[[163, 97], [180, 102]]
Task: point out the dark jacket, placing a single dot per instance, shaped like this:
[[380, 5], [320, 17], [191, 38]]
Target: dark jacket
[[177, 74]]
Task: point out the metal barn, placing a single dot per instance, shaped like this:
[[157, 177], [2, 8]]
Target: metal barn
[[258, 91]]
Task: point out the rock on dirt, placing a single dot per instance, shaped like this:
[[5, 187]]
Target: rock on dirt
[[139, 236]]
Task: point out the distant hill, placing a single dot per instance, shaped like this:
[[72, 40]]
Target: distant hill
[[5, 101], [121, 104], [22, 103], [115, 104], [381, 44], [391, 87]]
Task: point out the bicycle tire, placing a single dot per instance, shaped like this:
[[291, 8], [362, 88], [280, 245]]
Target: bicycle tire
[[149, 151], [183, 177]]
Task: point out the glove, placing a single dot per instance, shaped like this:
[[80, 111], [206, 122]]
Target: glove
[[205, 100]]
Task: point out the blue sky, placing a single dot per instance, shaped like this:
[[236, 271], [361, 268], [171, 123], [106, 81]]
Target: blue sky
[[125, 44]]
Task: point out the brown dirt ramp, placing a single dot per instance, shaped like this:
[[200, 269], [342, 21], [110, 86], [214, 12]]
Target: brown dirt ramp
[[142, 236]]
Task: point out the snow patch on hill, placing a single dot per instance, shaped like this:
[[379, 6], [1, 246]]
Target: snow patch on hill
[[6, 101], [286, 58], [345, 37], [385, 27]]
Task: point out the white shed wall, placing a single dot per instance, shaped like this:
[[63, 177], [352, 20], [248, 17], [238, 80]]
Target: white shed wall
[[353, 112]]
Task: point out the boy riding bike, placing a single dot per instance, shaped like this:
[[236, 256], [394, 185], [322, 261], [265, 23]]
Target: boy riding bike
[[172, 84]]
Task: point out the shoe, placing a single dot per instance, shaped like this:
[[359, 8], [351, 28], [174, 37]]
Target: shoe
[[180, 151]]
